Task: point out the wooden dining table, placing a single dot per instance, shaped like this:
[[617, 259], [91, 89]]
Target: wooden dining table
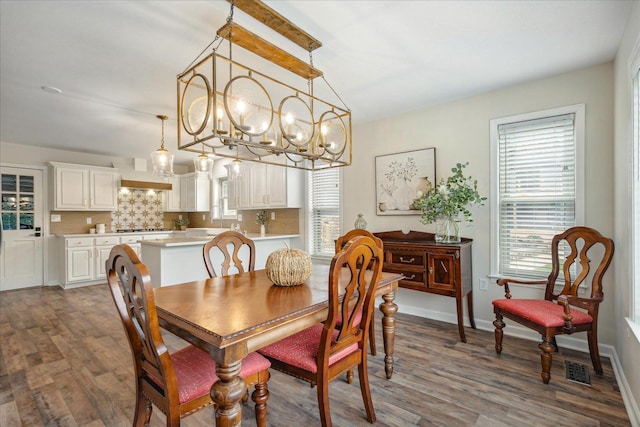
[[232, 316]]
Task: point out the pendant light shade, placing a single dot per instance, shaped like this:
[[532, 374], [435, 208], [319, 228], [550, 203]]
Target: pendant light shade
[[203, 165], [162, 159]]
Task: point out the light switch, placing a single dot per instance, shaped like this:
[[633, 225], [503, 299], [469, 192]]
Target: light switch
[[273, 216], [89, 221], [56, 218]]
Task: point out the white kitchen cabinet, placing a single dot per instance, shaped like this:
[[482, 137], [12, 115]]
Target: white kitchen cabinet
[[79, 264], [172, 197], [102, 249], [194, 193], [81, 188], [239, 187], [263, 185], [84, 258]]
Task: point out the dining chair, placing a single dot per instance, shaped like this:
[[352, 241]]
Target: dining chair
[[567, 311], [340, 242], [222, 242], [322, 352], [178, 383]]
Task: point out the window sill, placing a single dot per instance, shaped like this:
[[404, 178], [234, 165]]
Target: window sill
[[635, 328]]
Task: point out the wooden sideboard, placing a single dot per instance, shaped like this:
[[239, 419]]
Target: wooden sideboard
[[438, 268]]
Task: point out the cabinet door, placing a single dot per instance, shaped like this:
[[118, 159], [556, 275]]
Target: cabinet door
[[258, 186], [172, 198], [103, 191], [276, 179], [202, 193], [80, 264], [441, 271], [102, 255], [71, 188], [188, 193]]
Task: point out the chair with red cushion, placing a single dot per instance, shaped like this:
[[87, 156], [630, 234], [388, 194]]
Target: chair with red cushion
[[340, 242], [222, 242], [322, 352], [566, 311], [178, 383]]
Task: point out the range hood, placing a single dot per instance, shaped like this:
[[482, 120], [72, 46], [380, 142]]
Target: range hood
[[145, 185]]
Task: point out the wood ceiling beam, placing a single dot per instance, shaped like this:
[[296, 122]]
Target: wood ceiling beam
[[259, 46], [278, 23]]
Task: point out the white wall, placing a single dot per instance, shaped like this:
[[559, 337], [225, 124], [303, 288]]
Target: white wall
[[460, 132], [627, 344]]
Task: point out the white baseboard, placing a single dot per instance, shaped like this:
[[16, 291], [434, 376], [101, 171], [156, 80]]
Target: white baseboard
[[515, 330]]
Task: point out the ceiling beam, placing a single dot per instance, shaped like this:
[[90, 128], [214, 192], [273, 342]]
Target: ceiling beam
[[278, 23]]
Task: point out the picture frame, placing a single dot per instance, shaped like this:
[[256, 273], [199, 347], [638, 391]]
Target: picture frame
[[403, 177]]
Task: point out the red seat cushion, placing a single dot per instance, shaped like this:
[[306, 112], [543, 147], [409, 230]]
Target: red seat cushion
[[301, 349], [542, 312], [196, 371]]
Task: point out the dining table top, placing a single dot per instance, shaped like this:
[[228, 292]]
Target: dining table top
[[227, 310]]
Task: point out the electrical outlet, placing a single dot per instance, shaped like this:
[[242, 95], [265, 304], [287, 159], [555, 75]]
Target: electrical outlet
[[179, 216], [484, 284], [273, 216], [56, 218], [239, 217], [204, 217], [89, 221]]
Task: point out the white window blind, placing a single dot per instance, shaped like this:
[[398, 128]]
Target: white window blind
[[324, 211], [537, 192]]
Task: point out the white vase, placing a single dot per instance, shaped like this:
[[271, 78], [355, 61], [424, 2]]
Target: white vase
[[262, 230], [447, 229]]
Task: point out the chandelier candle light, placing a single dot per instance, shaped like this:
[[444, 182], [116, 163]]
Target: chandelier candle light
[[228, 109], [445, 203]]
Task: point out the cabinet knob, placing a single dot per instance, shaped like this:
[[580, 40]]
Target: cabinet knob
[[430, 270]]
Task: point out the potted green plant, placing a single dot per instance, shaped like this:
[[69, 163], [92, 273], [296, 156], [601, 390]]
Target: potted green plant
[[180, 223], [261, 218], [447, 202]]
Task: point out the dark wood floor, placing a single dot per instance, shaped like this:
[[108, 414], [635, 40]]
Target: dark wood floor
[[65, 361]]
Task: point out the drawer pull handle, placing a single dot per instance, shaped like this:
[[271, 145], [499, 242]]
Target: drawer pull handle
[[409, 261], [413, 276]]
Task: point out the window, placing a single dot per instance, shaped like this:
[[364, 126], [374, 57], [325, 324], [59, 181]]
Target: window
[[536, 187], [223, 198], [324, 211]]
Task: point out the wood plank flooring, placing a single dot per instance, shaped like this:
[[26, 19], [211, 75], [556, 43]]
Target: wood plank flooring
[[65, 361]]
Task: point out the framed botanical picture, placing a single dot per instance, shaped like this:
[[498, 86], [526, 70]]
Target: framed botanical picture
[[403, 177]]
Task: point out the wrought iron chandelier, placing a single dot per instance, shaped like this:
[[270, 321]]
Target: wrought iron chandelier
[[231, 110]]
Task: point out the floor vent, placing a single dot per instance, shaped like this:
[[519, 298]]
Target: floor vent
[[577, 373]]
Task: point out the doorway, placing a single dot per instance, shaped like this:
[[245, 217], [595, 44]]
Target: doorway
[[21, 232]]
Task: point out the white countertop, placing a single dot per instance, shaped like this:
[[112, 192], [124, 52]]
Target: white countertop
[[192, 241], [121, 234]]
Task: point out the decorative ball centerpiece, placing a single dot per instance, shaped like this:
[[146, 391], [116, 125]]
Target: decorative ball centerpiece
[[288, 267]]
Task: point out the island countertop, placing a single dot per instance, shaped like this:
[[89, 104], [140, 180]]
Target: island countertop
[[193, 241]]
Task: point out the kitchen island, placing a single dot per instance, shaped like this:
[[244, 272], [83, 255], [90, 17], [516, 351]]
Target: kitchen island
[[179, 260]]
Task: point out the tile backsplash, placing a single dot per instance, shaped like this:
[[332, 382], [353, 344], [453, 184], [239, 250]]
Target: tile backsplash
[[138, 209]]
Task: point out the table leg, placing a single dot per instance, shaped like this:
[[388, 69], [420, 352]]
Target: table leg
[[388, 309], [226, 393]]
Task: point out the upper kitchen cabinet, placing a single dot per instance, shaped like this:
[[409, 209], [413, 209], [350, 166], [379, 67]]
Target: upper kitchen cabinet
[[261, 185], [80, 188], [172, 197], [194, 193]]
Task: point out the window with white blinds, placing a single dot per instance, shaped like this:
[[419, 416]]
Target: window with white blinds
[[536, 190], [324, 211]]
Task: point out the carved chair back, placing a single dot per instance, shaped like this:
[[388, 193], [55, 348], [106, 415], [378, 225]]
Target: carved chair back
[[222, 243]]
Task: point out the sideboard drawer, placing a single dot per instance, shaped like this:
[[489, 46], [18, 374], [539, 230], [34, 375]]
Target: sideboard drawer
[[404, 257]]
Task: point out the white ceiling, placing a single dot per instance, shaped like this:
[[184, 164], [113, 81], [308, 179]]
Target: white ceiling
[[116, 61]]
